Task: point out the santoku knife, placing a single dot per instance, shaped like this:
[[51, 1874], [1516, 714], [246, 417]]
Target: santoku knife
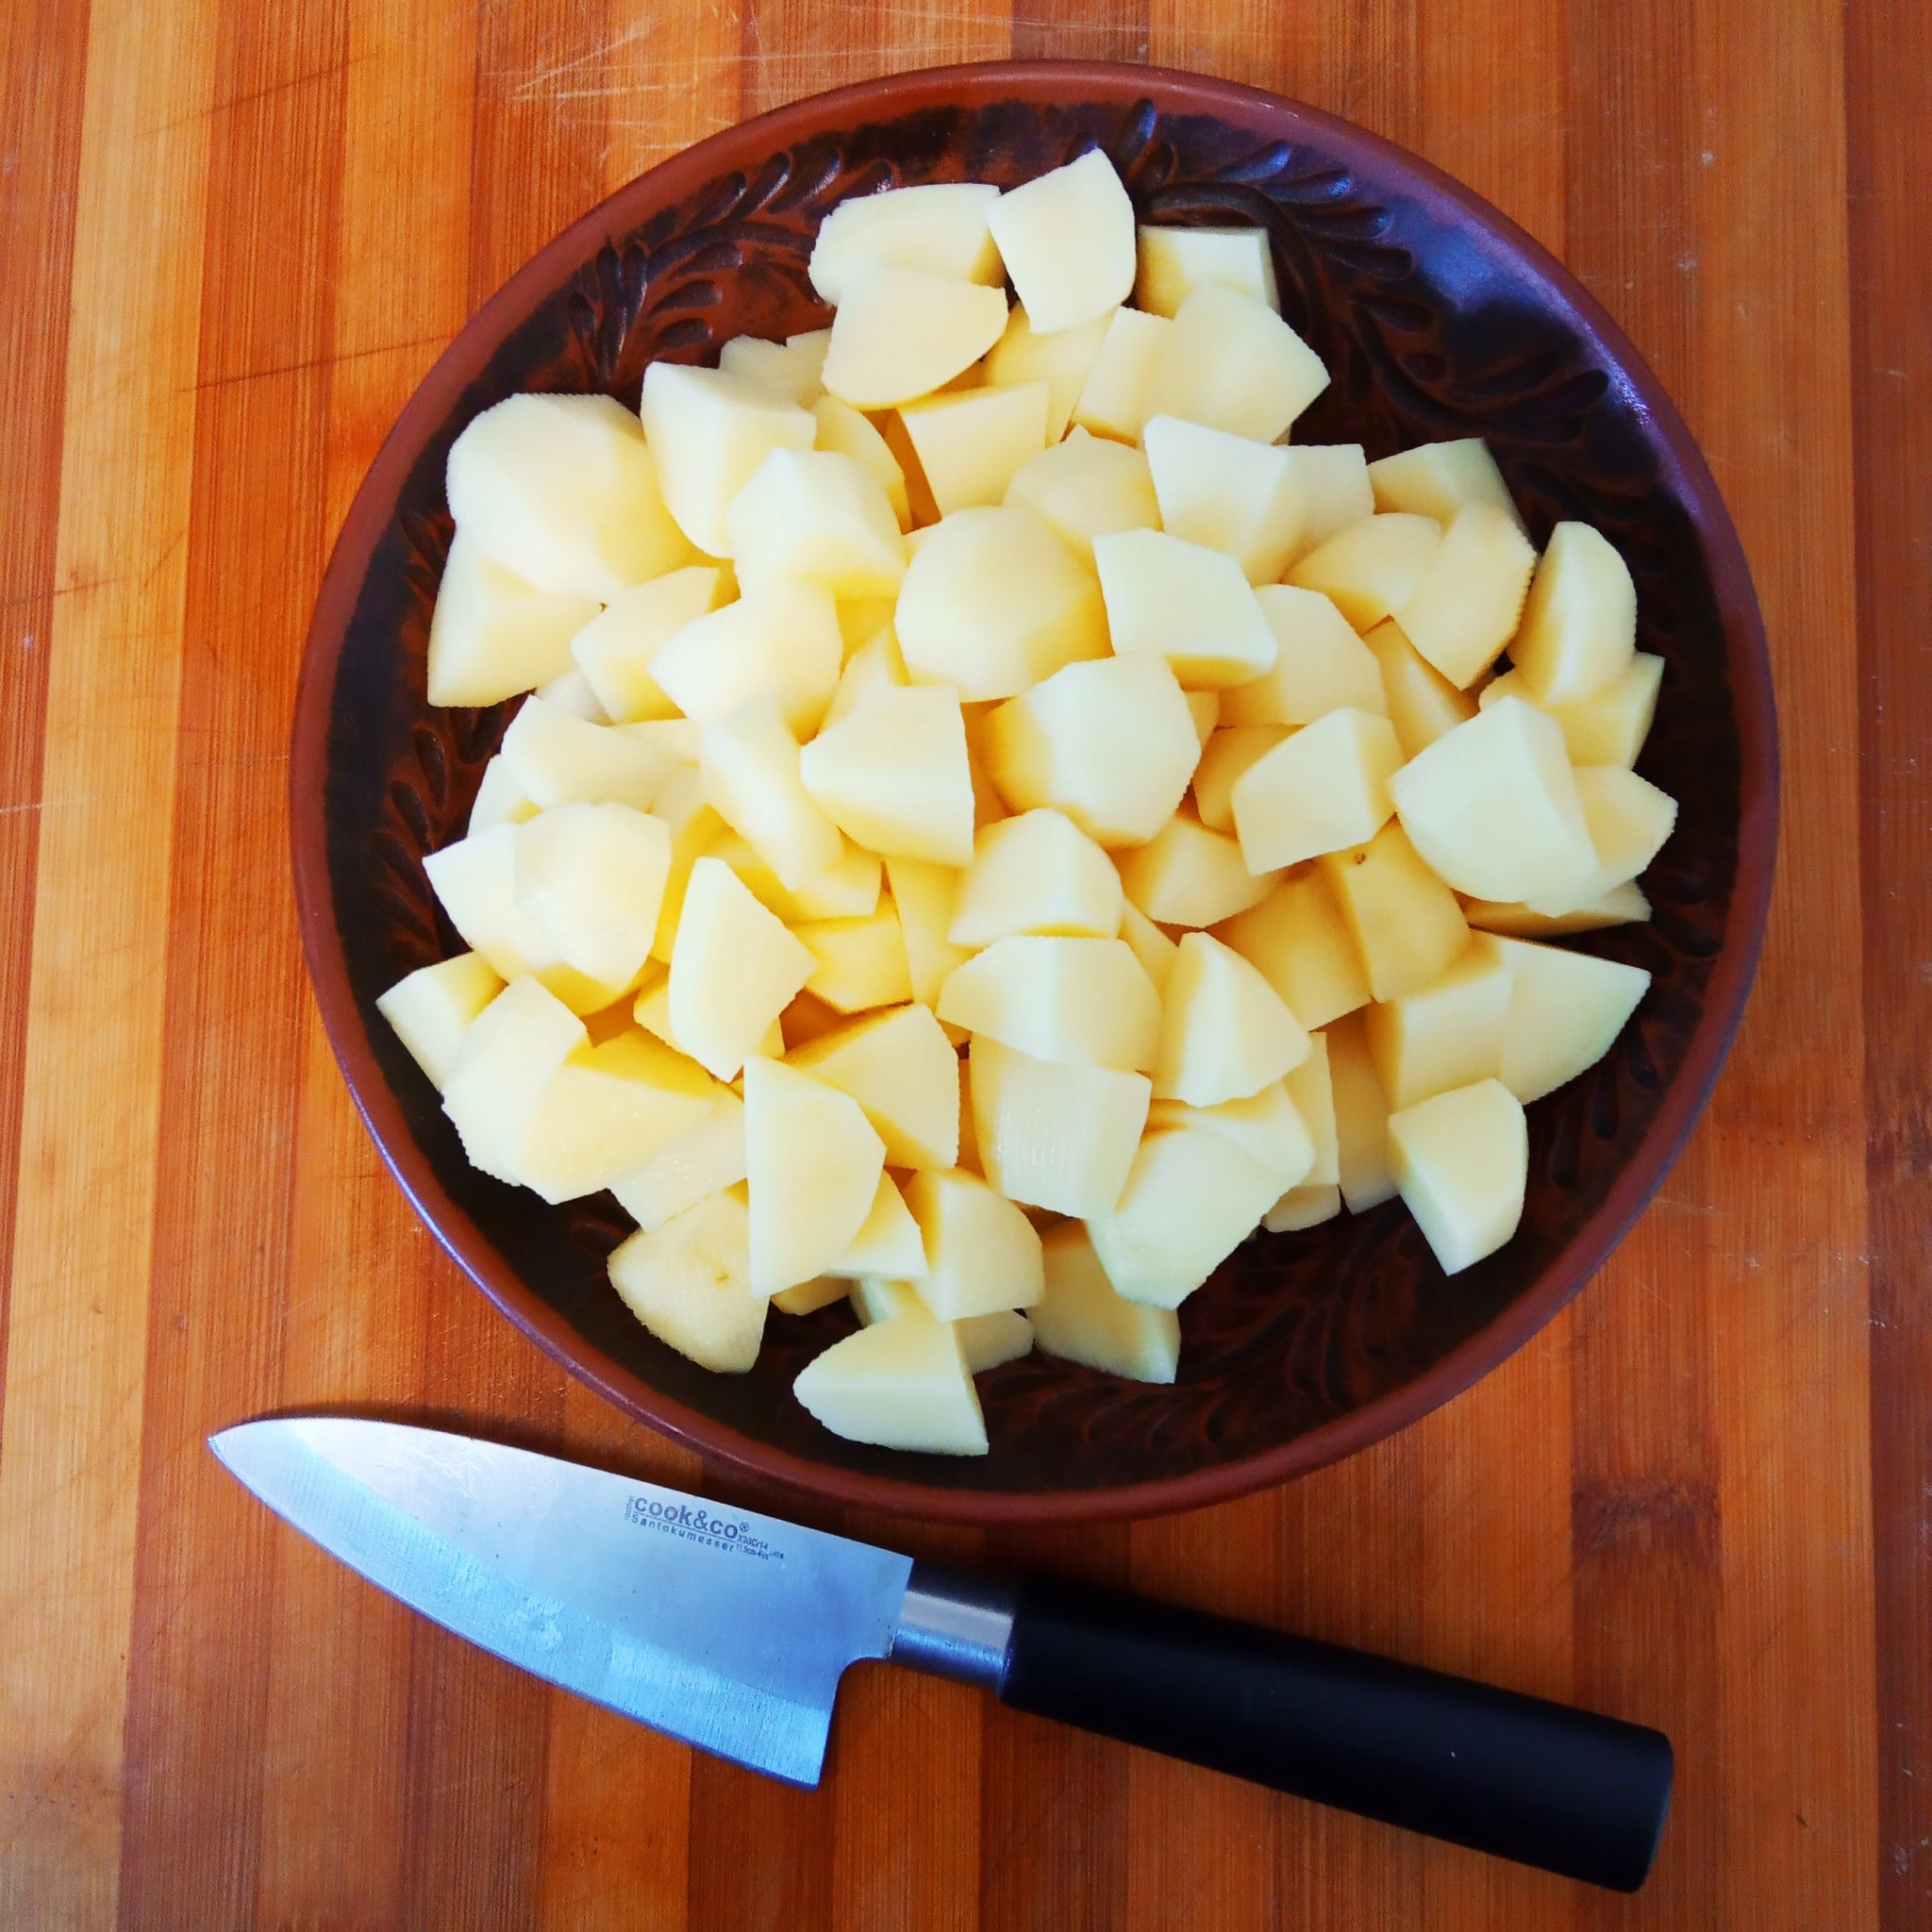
[[731, 1630]]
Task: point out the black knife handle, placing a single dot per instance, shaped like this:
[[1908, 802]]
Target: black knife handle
[[1540, 1783]]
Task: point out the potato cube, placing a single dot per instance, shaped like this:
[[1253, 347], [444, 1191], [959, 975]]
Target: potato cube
[[508, 1056], [1493, 809], [1298, 941], [873, 667], [1421, 704], [609, 1109], [972, 443], [779, 642], [1335, 493], [845, 431], [710, 430], [1579, 626], [591, 878], [698, 1164], [1446, 1034], [1437, 479], [1267, 1127], [1461, 1161], [1085, 488], [821, 1291], [981, 1253], [1061, 357], [1465, 604], [1188, 875], [1055, 1135], [559, 759], [1323, 788], [695, 830], [1622, 904], [562, 490], [1303, 1207], [1225, 756], [1405, 924], [1370, 570], [752, 781], [876, 1298], [849, 889], [792, 370], [571, 690], [901, 1384], [1150, 946], [1225, 1032], [1037, 873], [616, 649], [733, 971], [815, 1164], [1608, 729], [1311, 1086], [687, 1282], [1174, 262], [680, 739], [993, 601], [1113, 400], [1629, 820], [987, 1340], [1168, 598], [1229, 361], [1361, 1118], [1067, 240], [1083, 1000], [888, 1242], [939, 227], [1566, 1010], [493, 635], [901, 1069], [901, 333], [861, 962], [432, 1007], [894, 775], [500, 800], [1192, 1199], [812, 516], [925, 895], [1227, 493], [1319, 666], [1080, 1319]]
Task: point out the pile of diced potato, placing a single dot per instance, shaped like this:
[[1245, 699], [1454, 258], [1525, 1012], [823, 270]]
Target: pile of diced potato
[[995, 823]]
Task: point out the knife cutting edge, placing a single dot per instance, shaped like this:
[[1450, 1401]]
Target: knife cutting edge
[[731, 1630]]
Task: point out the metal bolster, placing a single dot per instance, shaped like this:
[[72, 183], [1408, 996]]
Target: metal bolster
[[956, 1626]]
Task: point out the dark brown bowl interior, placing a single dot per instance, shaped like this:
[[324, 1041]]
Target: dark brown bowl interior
[[1436, 318]]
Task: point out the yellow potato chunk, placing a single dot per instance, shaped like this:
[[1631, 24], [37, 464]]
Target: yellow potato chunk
[[1266, 1126], [873, 667], [1112, 744], [571, 692], [1225, 1032], [981, 1253], [925, 895], [500, 800], [901, 1384], [1004, 1334], [751, 779], [1085, 488], [733, 971], [845, 431], [431, 1008], [993, 601], [1494, 808], [778, 643], [1323, 788], [1051, 1135], [1188, 875], [1059, 999], [708, 431], [821, 1291], [1371, 570], [1335, 489], [1176, 261], [1080, 1319], [1225, 755], [1421, 704], [849, 889], [493, 635], [792, 369], [562, 490], [1113, 400], [1062, 359], [1461, 1161], [1303, 1207], [1361, 1118], [888, 1242], [1608, 729], [507, 1055], [1319, 666], [813, 1163], [1629, 820], [1067, 240], [901, 333], [1171, 599], [939, 227], [1622, 904], [1229, 361], [698, 1164], [687, 1281], [1150, 945], [1405, 924], [1437, 479], [616, 649], [591, 878], [1446, 1034], [1566, 1010], [1227, 493], [1465, 604], [972, 443], [894, 775], [1579, 626], [1298, 941], [559, 759], [1037, 873], [901, 1069], [860, 962], [812, 516], [1312, 1086]]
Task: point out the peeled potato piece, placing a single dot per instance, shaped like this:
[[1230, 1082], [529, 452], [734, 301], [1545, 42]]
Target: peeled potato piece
[[1565, 1012], [1229, 361], [1437, 479], [1298, 941], [813, 1164], [1466, 602], [901, 333], [751, 774], [617, 649], [939, 227], [432, 1007], [1180, 600], [1449, 1033], [686, 1281], [901, 1069], [506, 1056], [1227, 493], [1579, 626], [1062, 359], [1371, 570], [971, 444], [1225, 1032], [493, 634], [1189, 876], [1461, 1161], [1037, 873], [1067, 241], [1606, 729], [981, 1253], [1175, 261], [1323, 788], [1053, 1134], [892, 773], [1085, 487], [734, 968], [1080, 1319], [1113, 400], [901, 1384], [1059, 999], [814, 516], [1405, 924]]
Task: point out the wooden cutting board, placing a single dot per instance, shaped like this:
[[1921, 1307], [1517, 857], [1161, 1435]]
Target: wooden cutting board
[[236, 234]]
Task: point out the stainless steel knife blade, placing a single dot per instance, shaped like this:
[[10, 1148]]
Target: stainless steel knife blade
[[721, 1626]]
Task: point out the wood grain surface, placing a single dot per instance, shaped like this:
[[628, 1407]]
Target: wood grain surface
[[236, 234]]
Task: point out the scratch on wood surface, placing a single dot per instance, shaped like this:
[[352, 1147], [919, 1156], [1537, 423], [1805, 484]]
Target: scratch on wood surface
[[438, 340], [214, 108]]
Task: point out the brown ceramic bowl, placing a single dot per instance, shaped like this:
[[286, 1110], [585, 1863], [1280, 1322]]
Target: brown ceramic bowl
[[1436, 318]]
